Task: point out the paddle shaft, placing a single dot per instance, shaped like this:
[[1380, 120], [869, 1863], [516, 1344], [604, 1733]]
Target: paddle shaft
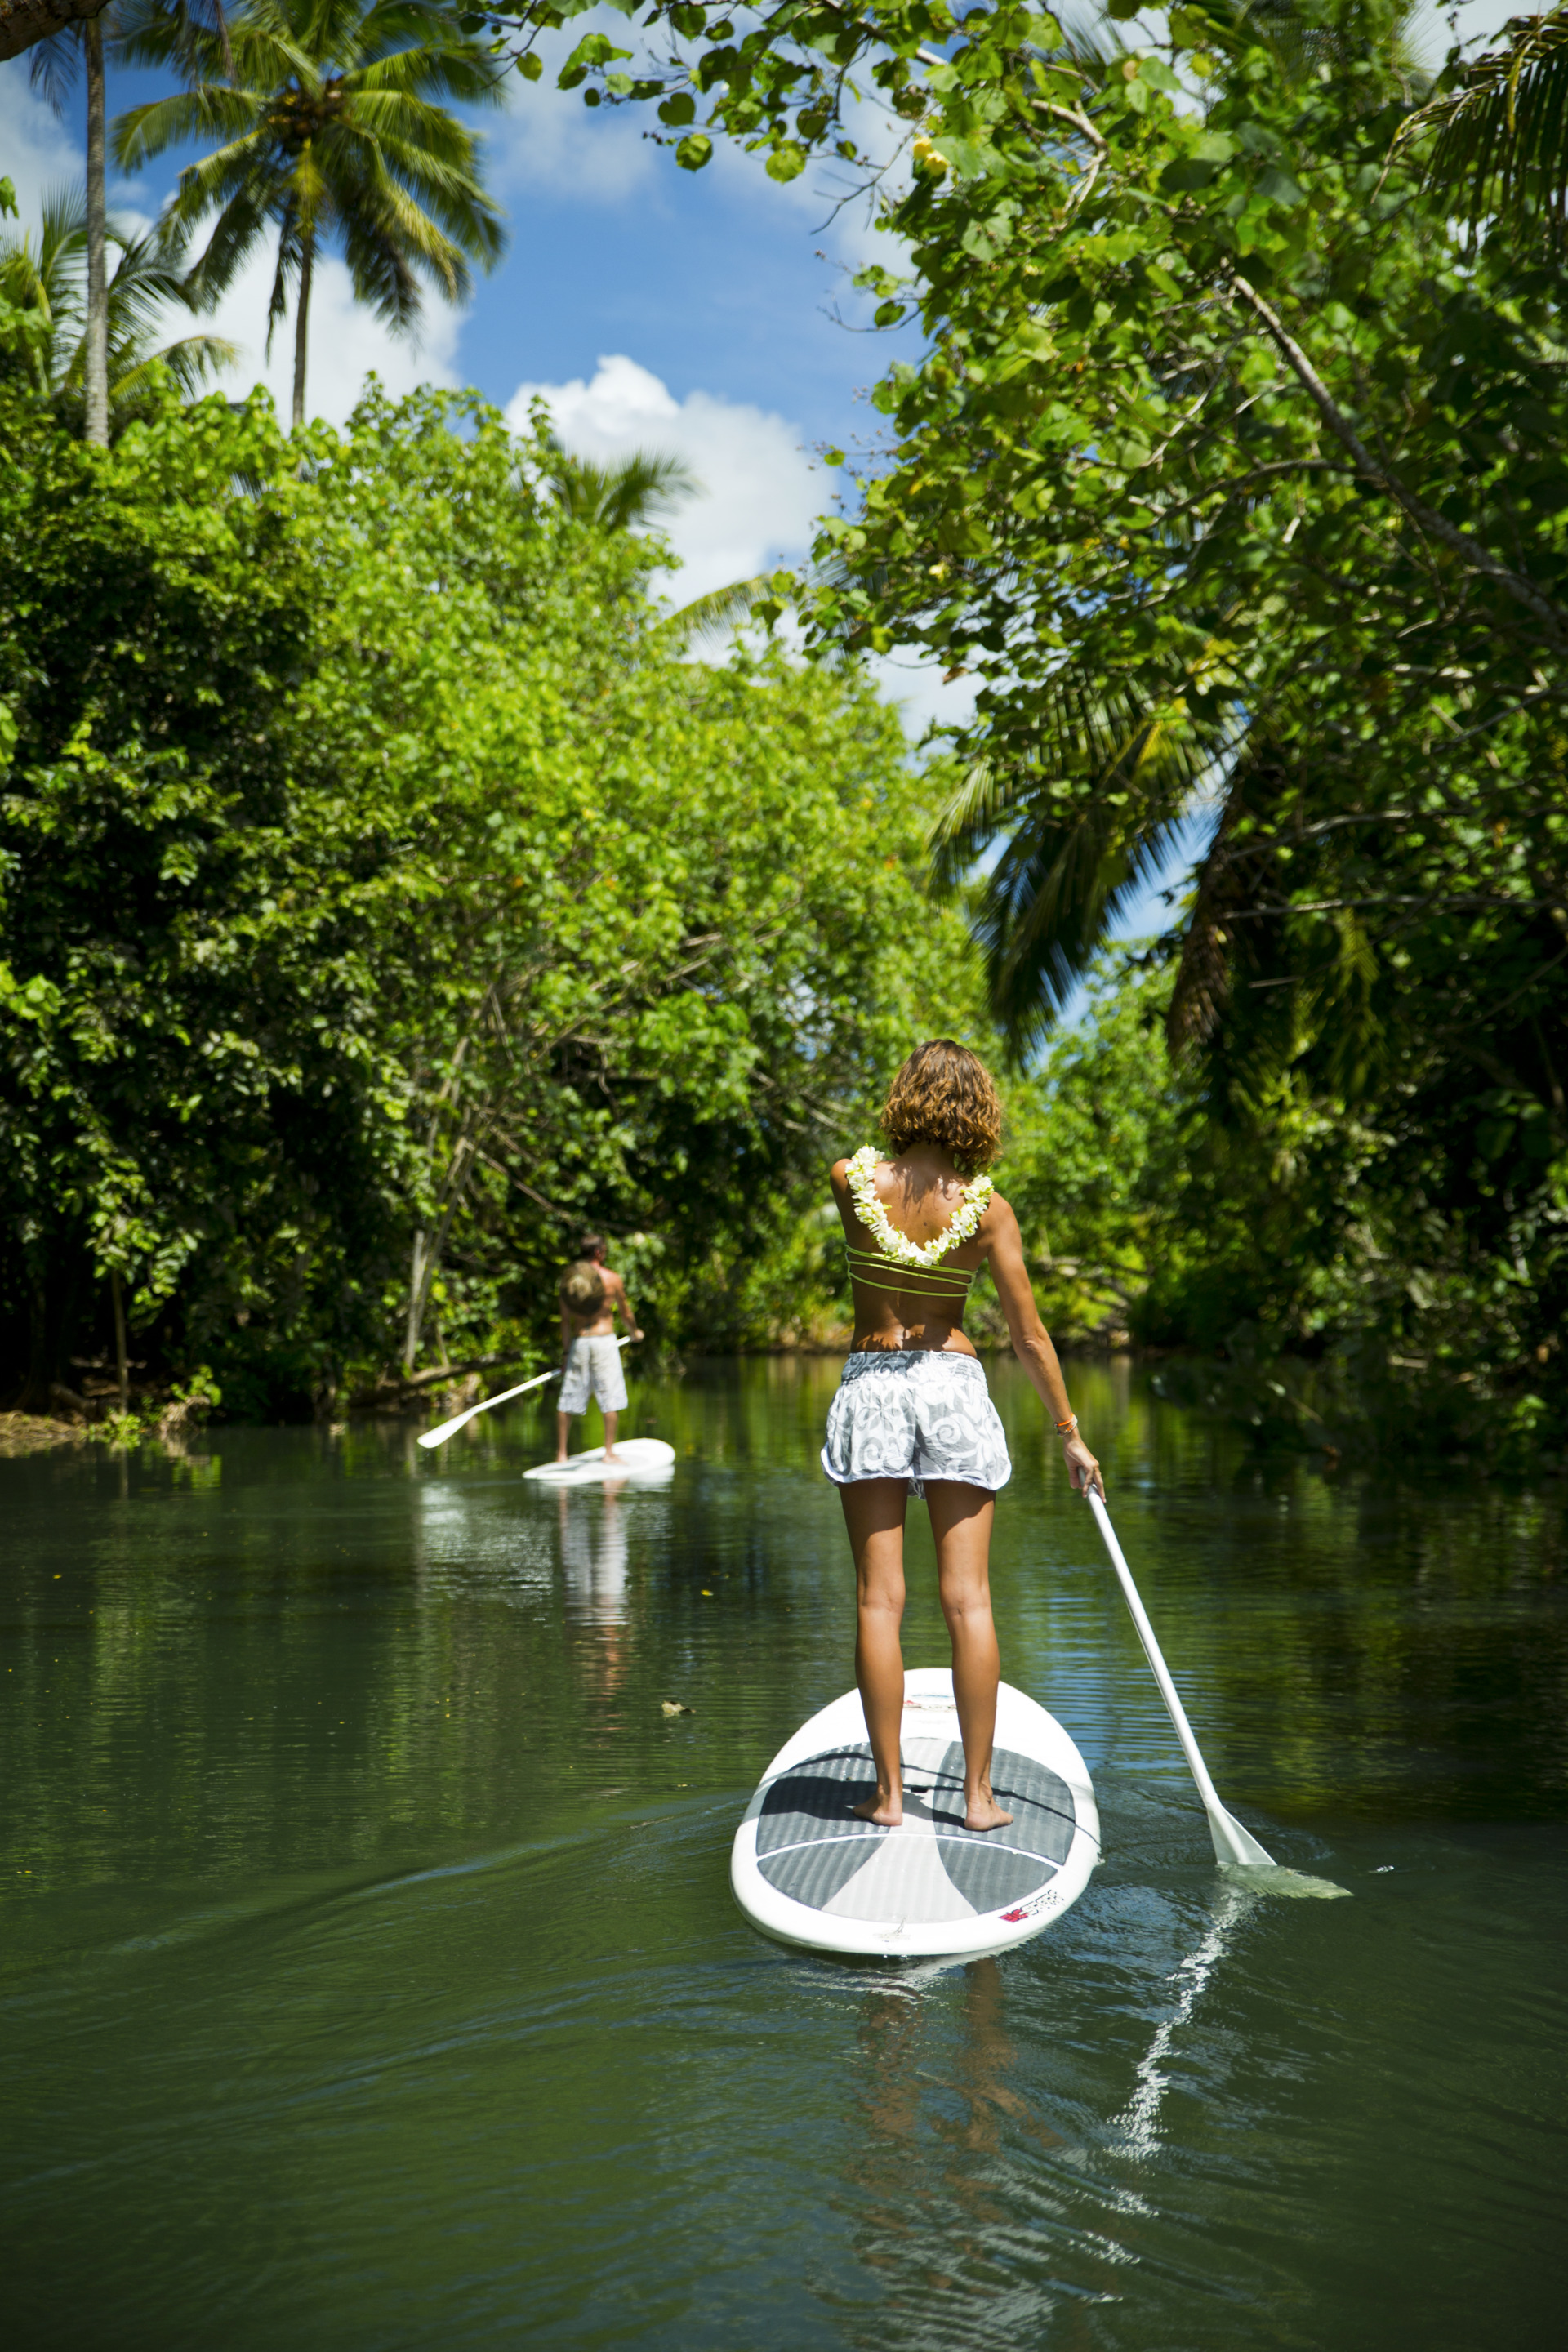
[[439, 1434], [1168, 1692]]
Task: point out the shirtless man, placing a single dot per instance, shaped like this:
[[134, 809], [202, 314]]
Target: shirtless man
[[590, 1359]]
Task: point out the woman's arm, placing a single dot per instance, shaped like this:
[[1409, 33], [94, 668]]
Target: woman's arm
[[1031, 1340]]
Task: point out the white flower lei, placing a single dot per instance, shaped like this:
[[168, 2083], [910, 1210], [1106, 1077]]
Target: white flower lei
[[862, 1172]]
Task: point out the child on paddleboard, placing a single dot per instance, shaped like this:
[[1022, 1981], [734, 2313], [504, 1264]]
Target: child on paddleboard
[[591, 1298], [912, 1414]]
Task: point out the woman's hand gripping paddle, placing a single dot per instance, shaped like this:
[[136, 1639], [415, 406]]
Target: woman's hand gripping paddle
[[1232, 1842], [443, 1430]]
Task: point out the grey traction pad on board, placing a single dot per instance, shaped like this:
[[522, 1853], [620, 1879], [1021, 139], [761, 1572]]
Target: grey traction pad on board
[[811, 1847]]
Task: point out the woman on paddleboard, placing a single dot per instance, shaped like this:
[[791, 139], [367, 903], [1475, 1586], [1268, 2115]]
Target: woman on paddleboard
[[912, 1414]]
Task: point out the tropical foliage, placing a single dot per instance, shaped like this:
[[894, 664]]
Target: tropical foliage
[[1501, 121], [42, 277], [1232, 470], [328, 133], [384, 894]]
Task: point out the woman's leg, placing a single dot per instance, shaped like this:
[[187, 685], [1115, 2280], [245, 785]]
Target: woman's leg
[[960, 1524], [874, 1515]]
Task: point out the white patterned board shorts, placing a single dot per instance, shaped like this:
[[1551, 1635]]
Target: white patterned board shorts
[[592, 1365], [914, 1413]]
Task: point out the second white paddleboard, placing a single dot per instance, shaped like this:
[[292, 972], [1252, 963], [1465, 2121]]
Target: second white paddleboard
[[642, 1459]]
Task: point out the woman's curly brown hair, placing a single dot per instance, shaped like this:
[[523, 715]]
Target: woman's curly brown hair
[[944, 1094]]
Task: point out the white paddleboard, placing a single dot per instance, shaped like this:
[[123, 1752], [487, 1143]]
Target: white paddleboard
[[642, 1459], [806, 1872]]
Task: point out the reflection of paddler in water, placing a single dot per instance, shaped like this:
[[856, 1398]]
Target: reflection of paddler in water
[[927, 2225], [912, 1414], [591, 1298], [593, 1556]]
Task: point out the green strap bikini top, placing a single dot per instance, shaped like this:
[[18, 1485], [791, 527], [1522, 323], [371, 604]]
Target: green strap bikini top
[[873, 1271], [899, 1263]]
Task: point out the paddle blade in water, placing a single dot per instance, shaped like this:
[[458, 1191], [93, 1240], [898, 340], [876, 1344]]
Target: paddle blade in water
[[1284, 1882], [445, 1429], [1234, 1842]]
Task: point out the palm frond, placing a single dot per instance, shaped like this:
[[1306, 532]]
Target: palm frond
[[190, 364], [635, 489], [146, 132], [708, 618], [1064, 831], [46, 275], [1502, 134], [322, 125], [55, 67]]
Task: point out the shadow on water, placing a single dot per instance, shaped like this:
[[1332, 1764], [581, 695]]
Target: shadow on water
[[370, 1976]]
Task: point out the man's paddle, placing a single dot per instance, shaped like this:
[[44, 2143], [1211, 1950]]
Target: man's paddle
[[443, 1430], [1232, 1842]]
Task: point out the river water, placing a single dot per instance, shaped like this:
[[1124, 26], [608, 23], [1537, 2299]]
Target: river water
[[371, 1976]]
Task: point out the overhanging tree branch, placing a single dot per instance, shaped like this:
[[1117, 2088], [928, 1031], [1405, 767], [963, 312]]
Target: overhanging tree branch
[[1470, 550]]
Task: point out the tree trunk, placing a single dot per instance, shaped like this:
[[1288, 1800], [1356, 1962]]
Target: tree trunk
[[301, 328], [23, 22], [34, 1396], [417, 1277], [95, 355], [121, 1359]]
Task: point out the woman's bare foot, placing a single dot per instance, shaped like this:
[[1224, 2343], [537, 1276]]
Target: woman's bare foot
[[982, 1812], [886, 1812]]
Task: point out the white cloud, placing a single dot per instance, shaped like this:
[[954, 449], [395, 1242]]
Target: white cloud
[[758, 504], [550, 141], [37, 151], [346, 341], [760, 493], [921, 695]]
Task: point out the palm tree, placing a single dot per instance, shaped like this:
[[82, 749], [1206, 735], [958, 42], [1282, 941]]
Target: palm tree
[[1501, 148], [56, 64], [327, 132], [43, 281], [635, 490], [632, 490]]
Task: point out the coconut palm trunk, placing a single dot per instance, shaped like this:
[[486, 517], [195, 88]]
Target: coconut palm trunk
[[303, 325], [95, 351]]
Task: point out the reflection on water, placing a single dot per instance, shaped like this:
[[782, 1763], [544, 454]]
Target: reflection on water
[[370, 1975], [1139, 2120]]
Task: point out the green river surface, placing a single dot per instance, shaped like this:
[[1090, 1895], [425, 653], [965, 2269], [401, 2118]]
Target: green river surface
[[371, 1977]]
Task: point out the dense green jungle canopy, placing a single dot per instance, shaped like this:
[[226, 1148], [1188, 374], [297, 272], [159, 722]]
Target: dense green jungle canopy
[[386, 896]]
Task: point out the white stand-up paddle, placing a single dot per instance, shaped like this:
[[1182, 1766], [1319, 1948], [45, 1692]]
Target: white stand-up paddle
[[1232, 1842], [443, 1430]]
